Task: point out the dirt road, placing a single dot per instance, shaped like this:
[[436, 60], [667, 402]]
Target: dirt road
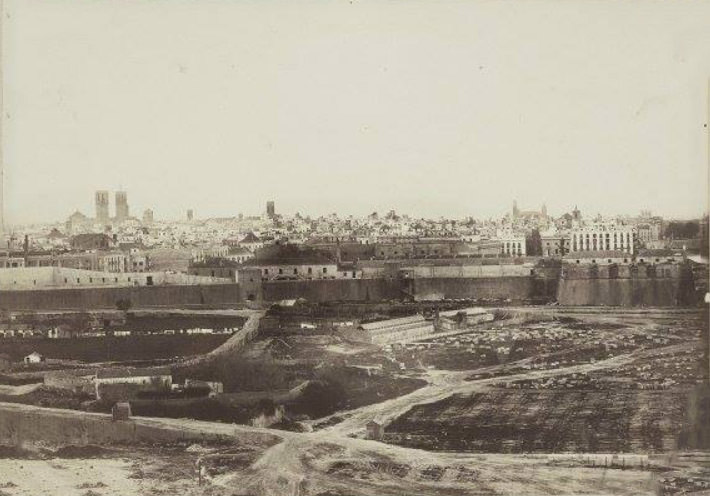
[[237, 341], [445, 383], [18, 390]]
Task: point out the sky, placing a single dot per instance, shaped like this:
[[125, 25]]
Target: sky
[[433, 108]]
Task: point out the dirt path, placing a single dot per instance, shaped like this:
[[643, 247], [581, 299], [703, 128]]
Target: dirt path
[[236, 342], [18, 390], [443, 384], [309, 464], [305, 461]]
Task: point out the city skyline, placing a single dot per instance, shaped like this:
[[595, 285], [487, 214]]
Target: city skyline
[[137, 212], [368, 109]]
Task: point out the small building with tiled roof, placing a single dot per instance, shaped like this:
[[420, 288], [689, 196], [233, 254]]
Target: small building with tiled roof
[[393, 330], [293, 262], [251, 242], [660, 256], [239, 254]]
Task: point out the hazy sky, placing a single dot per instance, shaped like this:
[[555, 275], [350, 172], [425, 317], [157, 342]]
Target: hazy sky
[[432, 108]]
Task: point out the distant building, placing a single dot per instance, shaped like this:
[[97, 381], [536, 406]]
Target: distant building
[[78, 222], [102, 214], [512, 244], [393, 330], [33, 357], [124, 383], [239, 254], [554, 244], [415, 248], [602, 238], [270, 209], [660, 256], [122, 213], [290, 262], [649, 234], [576, 214], [148, 217], [96, 260], [296, 270], [215, 267], [90, 241], [459, 319], [251, 242], [202, 254], [598, 257], [11, 261], [533, 215], [190, 215]]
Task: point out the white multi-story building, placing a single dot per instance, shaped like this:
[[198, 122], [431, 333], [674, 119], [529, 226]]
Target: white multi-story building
[[607, 237], [511, 243]]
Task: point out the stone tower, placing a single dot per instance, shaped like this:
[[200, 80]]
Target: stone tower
[[102, 216], [121, 206]]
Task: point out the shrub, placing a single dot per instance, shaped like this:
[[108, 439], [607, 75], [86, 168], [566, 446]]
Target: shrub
[[124, 304]]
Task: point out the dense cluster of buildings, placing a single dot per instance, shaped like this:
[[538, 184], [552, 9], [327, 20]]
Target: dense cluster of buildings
[[280, 247]]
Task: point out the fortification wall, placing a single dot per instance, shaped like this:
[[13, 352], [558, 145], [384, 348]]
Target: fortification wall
[[513, 287], [24, 278], [626, 286], [334, 290], [652, 285], [621, 292], [140, 296], [469, 270]]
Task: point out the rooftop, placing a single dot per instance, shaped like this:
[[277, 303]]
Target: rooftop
[[250, 238], [384, 324], [661, 252], [290, 254]]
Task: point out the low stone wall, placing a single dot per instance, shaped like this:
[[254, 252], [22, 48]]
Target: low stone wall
[[28, 424]]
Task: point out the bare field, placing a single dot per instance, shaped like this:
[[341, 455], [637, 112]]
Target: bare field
[[546, 421], [638, 405]]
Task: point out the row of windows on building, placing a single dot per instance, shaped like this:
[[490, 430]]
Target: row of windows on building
[[513, 247], [111, 264], [626, 260], [96, 280], [295, 270], [650, 271], [602, 241]]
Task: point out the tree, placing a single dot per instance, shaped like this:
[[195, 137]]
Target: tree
[[682, 230], [533, 243]]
